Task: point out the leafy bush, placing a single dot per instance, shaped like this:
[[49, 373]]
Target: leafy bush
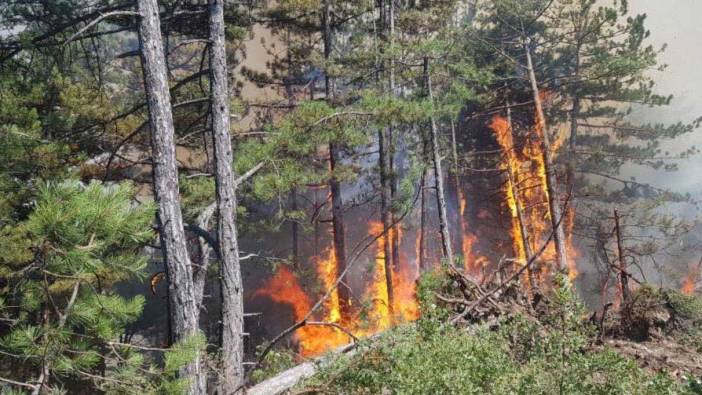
[[523, 356]]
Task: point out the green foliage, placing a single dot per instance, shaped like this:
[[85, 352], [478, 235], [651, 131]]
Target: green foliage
[[59, 284], [521, 356], [276, 361]]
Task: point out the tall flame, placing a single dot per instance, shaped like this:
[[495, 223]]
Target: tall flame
[[284, 288], [527, 191], [689, 284]]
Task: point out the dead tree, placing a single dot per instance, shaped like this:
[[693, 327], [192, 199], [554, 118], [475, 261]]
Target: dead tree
[[225, 186], [555, 210], [438, 173], [181, 298], [623, 274]]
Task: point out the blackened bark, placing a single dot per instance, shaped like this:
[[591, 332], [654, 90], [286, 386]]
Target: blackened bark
[[438, 174], [523, 232], [623, 274], [339, 237], [385, 218], [182, 307], [225, 186], [551, 183], [386, 19]]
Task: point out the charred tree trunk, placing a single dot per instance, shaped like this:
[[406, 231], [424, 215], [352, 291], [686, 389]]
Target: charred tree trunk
[[182, 307], [334, 185], [461, 201], [551, 182], [385, 218], [423, 210], [385, 193], [623, 273], [225, 186], [523, 231], [438, 174], [394, 231], [295, 230]]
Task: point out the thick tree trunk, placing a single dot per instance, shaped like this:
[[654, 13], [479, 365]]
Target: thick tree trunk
[[623, 274], [551, 183], [391, 143], [438, 174], [339, 237], [225, 186], [182, 307]]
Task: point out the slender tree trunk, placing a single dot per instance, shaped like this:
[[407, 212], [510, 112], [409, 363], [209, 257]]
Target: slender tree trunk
[[551, 182], [623, 274], [395, 231], [385, 192], [438, 174], [385, 219], [225, 186], [334, 185], [295, 229], [461, 202], [422, 222], [182, 307], [523, 231]]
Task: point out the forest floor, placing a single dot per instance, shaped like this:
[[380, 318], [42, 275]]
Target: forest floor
[[497, 337]]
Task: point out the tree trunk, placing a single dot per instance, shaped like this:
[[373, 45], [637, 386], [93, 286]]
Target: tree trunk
[[423, 217], [342, 290], [385, 192], [225, 186], [438, 174], [623, 274], [295, 230], [523, 231], [466, 245], [182, 307], [391, 142], [551, 182], [385, 218]]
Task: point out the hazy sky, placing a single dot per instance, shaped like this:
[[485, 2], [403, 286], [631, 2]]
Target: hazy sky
[[676, 23]]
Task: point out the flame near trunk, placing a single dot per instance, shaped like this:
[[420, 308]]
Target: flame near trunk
[[526, 195]]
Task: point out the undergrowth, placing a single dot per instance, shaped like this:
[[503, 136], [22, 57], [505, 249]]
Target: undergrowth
[[519, 355]]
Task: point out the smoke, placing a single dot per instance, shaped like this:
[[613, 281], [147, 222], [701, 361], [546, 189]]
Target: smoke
[[675, 23]]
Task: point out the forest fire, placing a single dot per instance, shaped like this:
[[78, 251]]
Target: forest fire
[[689, 284], [285, 288], [526, 196]]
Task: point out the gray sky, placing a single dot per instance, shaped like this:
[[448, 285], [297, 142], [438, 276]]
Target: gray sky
[[676, 23]]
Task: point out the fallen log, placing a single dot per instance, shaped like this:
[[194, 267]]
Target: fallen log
[[287, 379]]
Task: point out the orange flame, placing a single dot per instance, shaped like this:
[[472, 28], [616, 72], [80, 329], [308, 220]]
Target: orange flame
[[689, 284], [528, 192], [313, 340], [327, 272], [468, 238]]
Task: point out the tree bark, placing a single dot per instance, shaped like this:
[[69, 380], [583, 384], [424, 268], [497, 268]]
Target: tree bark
[[339, 237], [523, 231], [623, 274], [182, 307], [225, 187], [394, 231], [551, 182], [438, 174], [461, 202], [385, 192]]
